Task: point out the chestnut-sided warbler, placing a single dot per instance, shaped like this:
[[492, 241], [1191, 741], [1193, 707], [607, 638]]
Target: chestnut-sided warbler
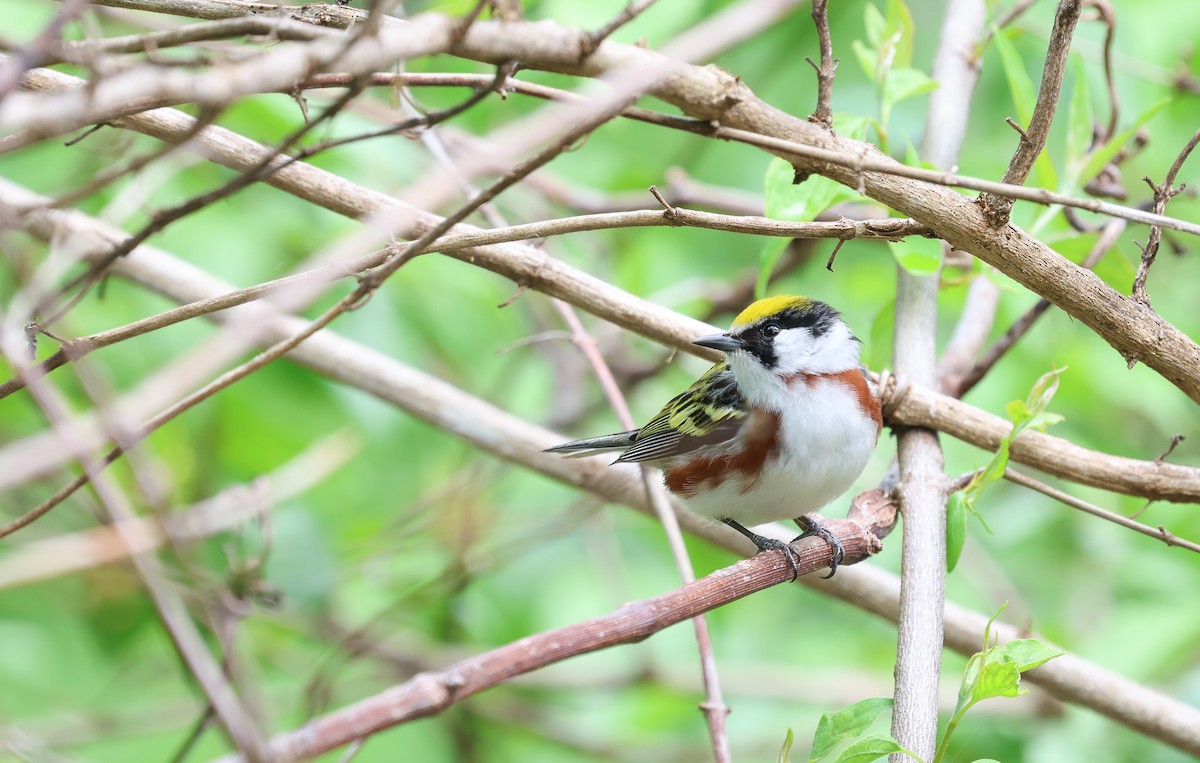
[[779, 428]]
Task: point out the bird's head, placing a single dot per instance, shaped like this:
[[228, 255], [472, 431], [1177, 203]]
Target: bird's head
[[777, 338]]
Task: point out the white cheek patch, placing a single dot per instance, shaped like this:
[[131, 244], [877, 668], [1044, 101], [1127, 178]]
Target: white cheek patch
[[793, 348], [798, 351]]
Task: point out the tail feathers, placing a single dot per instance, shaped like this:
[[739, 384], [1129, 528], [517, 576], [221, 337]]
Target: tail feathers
[[593, 445]]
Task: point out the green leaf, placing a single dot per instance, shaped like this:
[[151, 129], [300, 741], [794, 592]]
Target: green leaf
[[1024, 414], [1100, 158], [851, 125], [772, 250], [900, 33], [785, 200], [956, 529], [1024, 94], [846, 724], [872, 748], [1026, 653], [907, 83], [868, 58], [876, 27], [785, 752], [987, 629], [919, 256], [1079, 116], [997, 679]]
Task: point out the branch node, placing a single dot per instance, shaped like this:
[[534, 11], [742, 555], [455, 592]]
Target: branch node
[[670, 213]]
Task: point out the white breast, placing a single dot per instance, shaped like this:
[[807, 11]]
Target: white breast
[[825, 442]]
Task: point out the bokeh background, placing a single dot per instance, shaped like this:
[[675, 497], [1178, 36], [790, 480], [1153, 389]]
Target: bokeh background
[[420, 550]]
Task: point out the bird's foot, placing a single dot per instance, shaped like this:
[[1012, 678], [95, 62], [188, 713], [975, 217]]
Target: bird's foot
[[813, 527], [769, 544]]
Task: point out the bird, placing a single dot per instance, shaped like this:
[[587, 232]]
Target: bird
[[776, 430]]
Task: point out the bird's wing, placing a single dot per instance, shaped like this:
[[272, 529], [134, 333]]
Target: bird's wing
[[709, 412]]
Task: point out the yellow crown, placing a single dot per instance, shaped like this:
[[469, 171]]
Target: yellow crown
[[769, 306]]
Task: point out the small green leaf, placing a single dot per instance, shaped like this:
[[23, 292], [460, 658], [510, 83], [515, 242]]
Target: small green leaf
[[907, 83], [846, 724], [1079, 116], [868, 58], [1026, 653], [1019, 83], [1027, 413], [987, 629], [785, 752], [919, 256], [875, 25], [1018, 412], [772, 250], [1100, 158], [851, 125], [871, 748], [785, 200], [997, 679], [900, 33], [956, 529]]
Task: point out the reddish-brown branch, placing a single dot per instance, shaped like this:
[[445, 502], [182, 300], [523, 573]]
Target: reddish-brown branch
[[871, 517]]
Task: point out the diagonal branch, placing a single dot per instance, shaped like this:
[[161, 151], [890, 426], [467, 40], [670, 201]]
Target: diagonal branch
[[1033, 138], [432, 692]]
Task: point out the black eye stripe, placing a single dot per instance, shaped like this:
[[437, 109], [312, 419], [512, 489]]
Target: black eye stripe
[[759, 339]]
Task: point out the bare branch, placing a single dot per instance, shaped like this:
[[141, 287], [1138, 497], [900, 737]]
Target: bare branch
[[432, 692], [1159, 533], [1033, 139], [52, 557], [824, 113], [1162, 195], [963, 383]]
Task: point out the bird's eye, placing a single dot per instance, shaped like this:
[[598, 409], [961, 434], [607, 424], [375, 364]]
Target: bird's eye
[[771, 329]]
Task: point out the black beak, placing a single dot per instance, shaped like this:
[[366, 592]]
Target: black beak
[[722, 342]]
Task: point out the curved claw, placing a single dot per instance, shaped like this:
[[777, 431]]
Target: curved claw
[[770, 544], [813, 527]]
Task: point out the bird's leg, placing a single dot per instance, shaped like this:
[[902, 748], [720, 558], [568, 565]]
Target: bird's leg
[[769, 544], [813, 527]]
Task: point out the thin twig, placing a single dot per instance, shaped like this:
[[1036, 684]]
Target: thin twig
[[961, 385], [1159, 533], [169, 604], [1108, 15], [1162, 195], [825, 71], [889, 229], [1033, 138], [627, 14]]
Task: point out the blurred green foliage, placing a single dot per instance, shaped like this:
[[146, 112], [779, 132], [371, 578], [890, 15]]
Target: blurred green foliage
[[430, 551]]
